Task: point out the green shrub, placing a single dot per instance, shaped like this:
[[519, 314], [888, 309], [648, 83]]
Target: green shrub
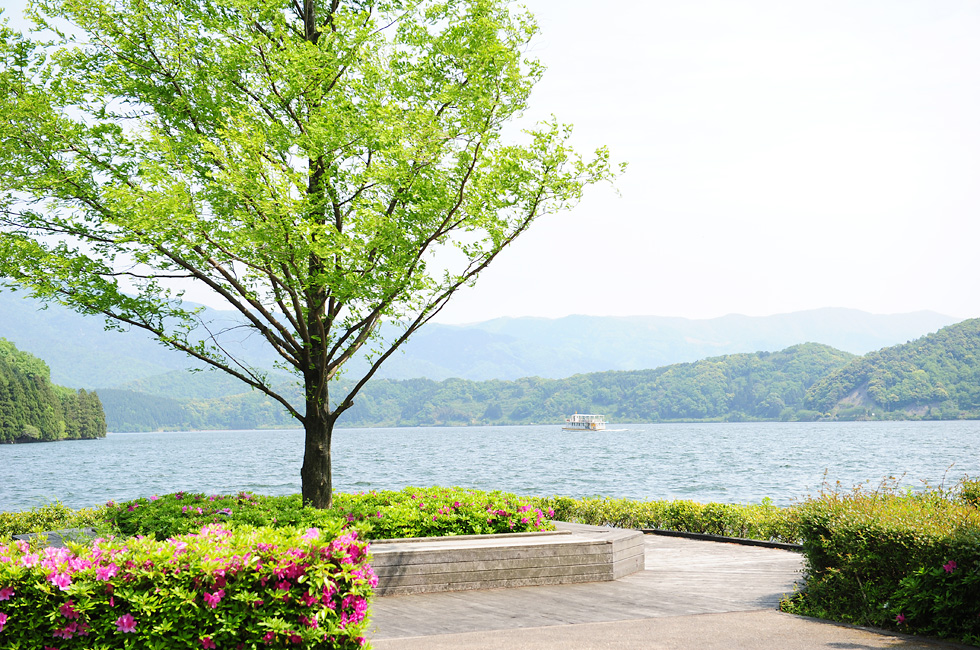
[[968, 491], [438, 512], [881, 558], [755, 521], [412, 512], [182, 512], [52, 516], [251, 587]]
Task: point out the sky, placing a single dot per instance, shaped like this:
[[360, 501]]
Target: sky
[[783, 155]]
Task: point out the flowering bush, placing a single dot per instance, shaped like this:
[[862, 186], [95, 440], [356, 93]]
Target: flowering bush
[[436, 512], [183, 512], [894, 559], [412, 512], [244, 588]]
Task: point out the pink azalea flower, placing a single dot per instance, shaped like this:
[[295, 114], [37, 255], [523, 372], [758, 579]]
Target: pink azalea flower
[[206, 642], [60, 580], [105, 572], [900, 619], [3, 620], [29, 560], [949, 566], [154, 498], [66, 633], [213, 599], [6, 593], [68, 610], [126, 623], [311, 533]]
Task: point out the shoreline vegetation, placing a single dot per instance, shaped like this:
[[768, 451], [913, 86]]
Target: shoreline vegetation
[[32, 409], [931, 378], [883, 556]]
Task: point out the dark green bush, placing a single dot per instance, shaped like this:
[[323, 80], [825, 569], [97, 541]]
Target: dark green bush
[[883, 558]]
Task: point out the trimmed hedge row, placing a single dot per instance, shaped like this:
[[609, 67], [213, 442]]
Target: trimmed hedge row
[[219, 588], [754, 521]]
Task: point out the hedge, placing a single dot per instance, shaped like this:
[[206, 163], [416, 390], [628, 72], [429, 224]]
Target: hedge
[[900, 560]]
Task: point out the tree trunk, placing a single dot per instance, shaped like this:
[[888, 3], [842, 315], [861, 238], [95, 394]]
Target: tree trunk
[[316, 475]]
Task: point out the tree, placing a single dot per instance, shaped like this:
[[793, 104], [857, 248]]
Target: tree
[[320, 166]]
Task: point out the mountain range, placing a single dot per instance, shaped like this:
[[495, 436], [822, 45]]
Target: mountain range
[[82, 354]]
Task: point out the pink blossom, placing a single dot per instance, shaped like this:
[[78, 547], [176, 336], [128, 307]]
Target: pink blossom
[[206, 642], [105, 572], [67, 632], [60, 580], [269, 636], [29, 560], [3, 620], [311, 533], [213, 599], [949, 566], [900, 619], [126, 623], [154, 498], [68, 610], [6, 593]]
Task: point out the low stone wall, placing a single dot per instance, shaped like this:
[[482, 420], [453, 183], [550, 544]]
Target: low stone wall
[[574, 553]]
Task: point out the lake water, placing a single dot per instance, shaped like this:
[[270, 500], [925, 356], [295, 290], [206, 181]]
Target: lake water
[[733, 463]]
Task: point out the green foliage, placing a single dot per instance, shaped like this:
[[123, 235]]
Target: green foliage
[[936, 376], [256, 588], [52, 516], [412, 512], [34, 410], [892, 558], [181, 512], [751, 521], [440, 512]]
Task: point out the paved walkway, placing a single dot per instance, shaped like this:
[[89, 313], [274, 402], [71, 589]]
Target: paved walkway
[[693, 594]]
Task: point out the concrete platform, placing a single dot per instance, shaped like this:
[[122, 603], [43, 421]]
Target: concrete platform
[[573, 554], [692, 594]]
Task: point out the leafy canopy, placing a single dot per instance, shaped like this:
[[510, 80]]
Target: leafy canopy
[[320, 167]]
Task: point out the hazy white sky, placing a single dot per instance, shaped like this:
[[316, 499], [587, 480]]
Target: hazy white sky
[[784, 155]]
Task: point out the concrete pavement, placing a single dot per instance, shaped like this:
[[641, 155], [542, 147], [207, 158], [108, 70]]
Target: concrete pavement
[[692, 594]]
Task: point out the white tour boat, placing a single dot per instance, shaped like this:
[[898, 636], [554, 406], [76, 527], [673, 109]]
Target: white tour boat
[[585, 422]]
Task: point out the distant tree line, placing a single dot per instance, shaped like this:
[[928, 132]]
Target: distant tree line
[[756, 386], [936, 376], [32, 409]]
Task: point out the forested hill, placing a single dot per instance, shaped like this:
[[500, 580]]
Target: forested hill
[[937, 376], [761, 385], [32, 409]]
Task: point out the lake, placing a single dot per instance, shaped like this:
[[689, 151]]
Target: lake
[[732, 463]]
